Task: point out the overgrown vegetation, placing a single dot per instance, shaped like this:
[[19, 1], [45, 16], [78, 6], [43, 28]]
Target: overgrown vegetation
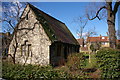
[[72, 69], [16, 71], [79, 65], [75, 61], [118, 46], [108, 61], [95, 46], [89, 60]]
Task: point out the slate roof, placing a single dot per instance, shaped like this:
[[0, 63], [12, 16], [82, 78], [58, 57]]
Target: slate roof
[[55, 29]]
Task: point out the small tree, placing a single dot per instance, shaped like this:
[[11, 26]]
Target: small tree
[[95, 46], [92, 47], [82, 24], [91, 32], [10, 17]]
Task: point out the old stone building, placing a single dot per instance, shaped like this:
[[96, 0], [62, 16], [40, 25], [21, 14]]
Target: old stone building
[[41, 39]]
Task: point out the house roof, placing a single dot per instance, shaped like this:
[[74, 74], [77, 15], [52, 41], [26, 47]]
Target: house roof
[[101, 39], [55, 29], [80, 41], [118, 41], [84, 49], [98, 39]]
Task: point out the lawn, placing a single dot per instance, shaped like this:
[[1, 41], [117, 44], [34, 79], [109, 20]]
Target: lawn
[[91, 61]]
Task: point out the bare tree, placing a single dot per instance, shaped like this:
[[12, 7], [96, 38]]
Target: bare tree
[[11, 14], [91, 32], [82, 23], [111, 9], [10, 18], [84, 32]]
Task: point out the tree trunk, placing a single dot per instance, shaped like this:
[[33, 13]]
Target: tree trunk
[[111, 29]]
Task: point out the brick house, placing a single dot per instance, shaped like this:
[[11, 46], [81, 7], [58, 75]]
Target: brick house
[[41, 39], [83, 46], [103, 40]]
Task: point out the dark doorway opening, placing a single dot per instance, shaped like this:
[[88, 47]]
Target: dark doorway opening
[[65, 52]]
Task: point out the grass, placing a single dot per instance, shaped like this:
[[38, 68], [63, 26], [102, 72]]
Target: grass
[[89, 61], [92, 62], [90, 67]]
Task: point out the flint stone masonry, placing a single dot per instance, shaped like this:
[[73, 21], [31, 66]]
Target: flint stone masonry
[[31, 31], [41, 39]]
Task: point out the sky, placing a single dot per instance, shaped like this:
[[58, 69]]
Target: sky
[[67, 12]]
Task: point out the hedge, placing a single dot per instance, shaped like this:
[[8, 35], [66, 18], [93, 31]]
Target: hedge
[[109, 62]]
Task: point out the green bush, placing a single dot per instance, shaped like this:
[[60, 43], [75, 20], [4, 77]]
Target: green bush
[[118, 46], [95, 46], [74, 61], [72, 69], [79, 61], [16, 71], [108, 61]]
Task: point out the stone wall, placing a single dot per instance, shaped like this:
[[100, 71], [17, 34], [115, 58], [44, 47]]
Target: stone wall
[[33, 42]]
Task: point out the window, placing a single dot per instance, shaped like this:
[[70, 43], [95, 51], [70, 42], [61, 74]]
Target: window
[[27, 17], [22, 50], [103, 43], [106, 43], [29, 50], [103, 37], [26, 49]]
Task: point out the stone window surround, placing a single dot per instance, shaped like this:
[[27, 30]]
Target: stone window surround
[[25, 49]]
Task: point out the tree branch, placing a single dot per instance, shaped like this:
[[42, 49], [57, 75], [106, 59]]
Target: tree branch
[[18, 11], [116, 7], [9, 22], [104, 7], [85, 24]]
